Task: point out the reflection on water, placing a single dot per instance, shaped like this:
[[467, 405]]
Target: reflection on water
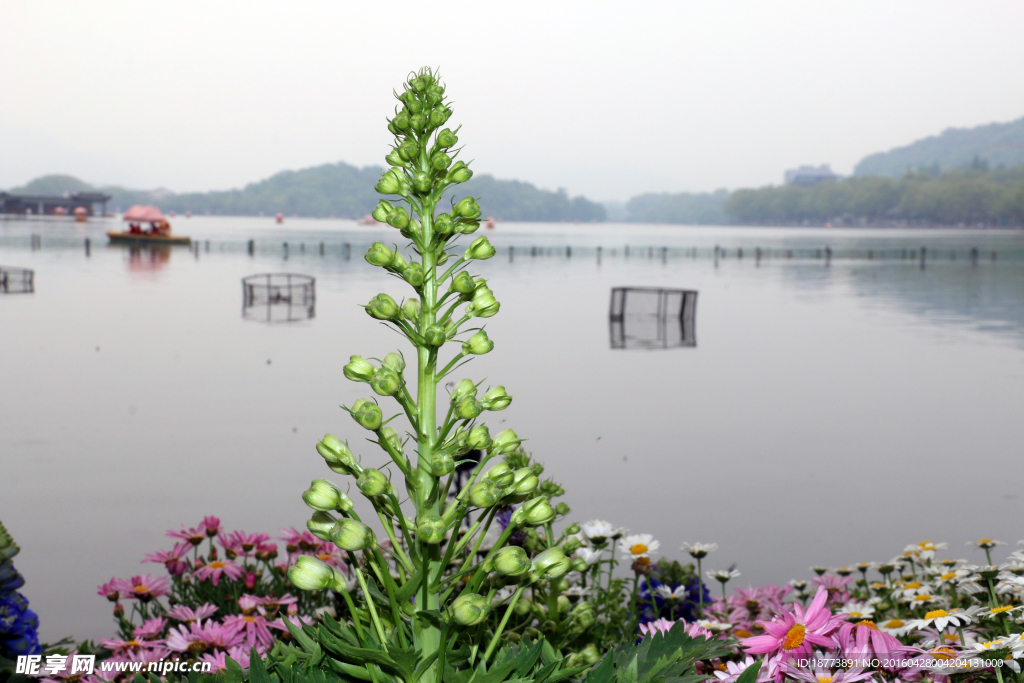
[[148, 258], [652, 318], [278, 297], [16, 280]]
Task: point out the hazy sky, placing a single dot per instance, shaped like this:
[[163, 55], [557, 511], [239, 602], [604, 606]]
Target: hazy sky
[[606, 99]]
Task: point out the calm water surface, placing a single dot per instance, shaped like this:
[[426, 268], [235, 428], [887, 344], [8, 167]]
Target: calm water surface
[[828, 414]]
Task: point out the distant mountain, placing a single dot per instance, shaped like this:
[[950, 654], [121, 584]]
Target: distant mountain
[[703, 208], [333, 190], [983, 147]]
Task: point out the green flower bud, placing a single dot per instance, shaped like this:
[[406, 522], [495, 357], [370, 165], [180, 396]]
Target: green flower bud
[[496, 398], [467, 208], [322, 495], [524, 481], [440, 161], [442, 464], [442, 258], [393, 360], [372, 482], [435, 335], [563, 603], [398, 264], [571, 544], [401, 122], [382, 211], [393, 438], [478, 344], [464, 388], [462, 283], [388, 184], [580, 565], [459, 173], [418, 84], [336, 452], [469, 609], [382, 307], [505, 442], [358, 369], [394, 158], [481, 249], [367, 414], [562, 509], [486, 307], [421, 181], [338, 582], [446, 139], [573, 528], [348, 534], [386, 382], [398, 218], [550, 564], [512, 561], [500, 474], [438, 115], [413, 104], [538, 469], [469, 227], [484, 494], [534, 512], [443, 224], [523, 607], [431, 529], [413, 231], [414, 275], [408, 150], [320, 525], [411, 310], [479, 437], [419, 122], [468, 408], [589, 655], [309, 574]]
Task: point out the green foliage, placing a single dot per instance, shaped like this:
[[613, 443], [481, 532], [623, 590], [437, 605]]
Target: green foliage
[[661, 658], [53, 185], [513, 200], [705, 208], [991, 146], [954, 198]]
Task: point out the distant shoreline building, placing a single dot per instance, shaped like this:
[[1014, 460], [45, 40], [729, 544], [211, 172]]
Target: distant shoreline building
[[40, 205], [809, 176]]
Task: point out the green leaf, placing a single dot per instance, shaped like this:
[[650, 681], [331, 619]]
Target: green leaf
[[257, 672], [630, 673], [749, 674], [300, 636], [431, 616], [410, 587]]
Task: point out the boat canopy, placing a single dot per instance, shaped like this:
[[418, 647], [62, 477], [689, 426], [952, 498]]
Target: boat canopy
[[143, 214]]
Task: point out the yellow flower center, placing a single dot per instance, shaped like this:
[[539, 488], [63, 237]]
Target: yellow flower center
[[912, 584], [250, 619], [926, 545], [638, 549], [742, 633], [936, 613], [324, 556], [922, 598], [140, 589], [1004, 608], [943, 653], [824, 679], [855, 615], [794, 637], [868, 623], [984, 541], [895, 623], [947, 576], [216, 564]]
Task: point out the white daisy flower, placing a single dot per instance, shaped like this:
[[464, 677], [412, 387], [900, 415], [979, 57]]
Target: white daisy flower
[[699, 550], [639, 545], [925, 549], [941, 619], [589, 556], [668, 594], [723, 575], [576, 592], [985, 543], [597, 530], [894, 627], [857, 611], [714, 626]]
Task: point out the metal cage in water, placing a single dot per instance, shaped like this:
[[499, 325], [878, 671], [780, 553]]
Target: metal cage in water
[[652, 318], [16, 280], [278, 297]]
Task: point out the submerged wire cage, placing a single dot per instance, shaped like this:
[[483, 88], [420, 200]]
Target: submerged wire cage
[[652, 318], [16, 280], [278, 297]]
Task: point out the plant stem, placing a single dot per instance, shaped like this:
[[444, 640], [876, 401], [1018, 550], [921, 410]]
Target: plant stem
[[501, 626]]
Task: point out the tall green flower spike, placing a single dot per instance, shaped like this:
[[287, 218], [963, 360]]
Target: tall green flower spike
[[427, 591]]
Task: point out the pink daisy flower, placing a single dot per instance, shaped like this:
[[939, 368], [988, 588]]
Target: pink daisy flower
[[266, 551], [211, 525], [215, 569], [836, 587], [794, 633], [820, 674], [270, 604], [199, 637], [251, 627], [173, 560], [111, 590], [664, 626], [295, 619], [147, 587], [187, 614], [241, 543], [193, 536], [733, 670], [151, 628], [864, 640], [303, 541]]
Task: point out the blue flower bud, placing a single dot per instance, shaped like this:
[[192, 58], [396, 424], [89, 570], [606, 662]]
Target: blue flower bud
[[479, 437], [481, 249], [367, 414], [467, 208], [358, 369], [421, 181], [398, 218], [478, 344], [458, 173], [440, 161], [447, 139], [348, 534], [501, 474], [414, 275], [372, 482], [431, 529], [382, 211], [395, 361], [464, 388], [443, 224], [505, 442], [469, 609], [322, 495], [382, 307], [512, 561], [496, 398], [435, 335], [550, 564], [309, 574], [411, 310], [386, 382], [468, 408], [320, 525], [442, 464], [409, 150], [484, 494]]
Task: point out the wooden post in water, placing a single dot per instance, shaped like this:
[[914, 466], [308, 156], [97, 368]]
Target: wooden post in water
[[346, 250], [87, 247], [511, 253], [664, 254], [598, 255], [568, 252], [739, 252], [321, 248], [924, 256], [625, 251], [828, 255], [251, 247]]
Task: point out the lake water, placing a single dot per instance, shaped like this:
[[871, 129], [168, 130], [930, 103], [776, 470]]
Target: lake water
[[830, 412]]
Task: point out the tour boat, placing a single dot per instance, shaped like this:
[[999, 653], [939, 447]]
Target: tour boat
[[159, 231]]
